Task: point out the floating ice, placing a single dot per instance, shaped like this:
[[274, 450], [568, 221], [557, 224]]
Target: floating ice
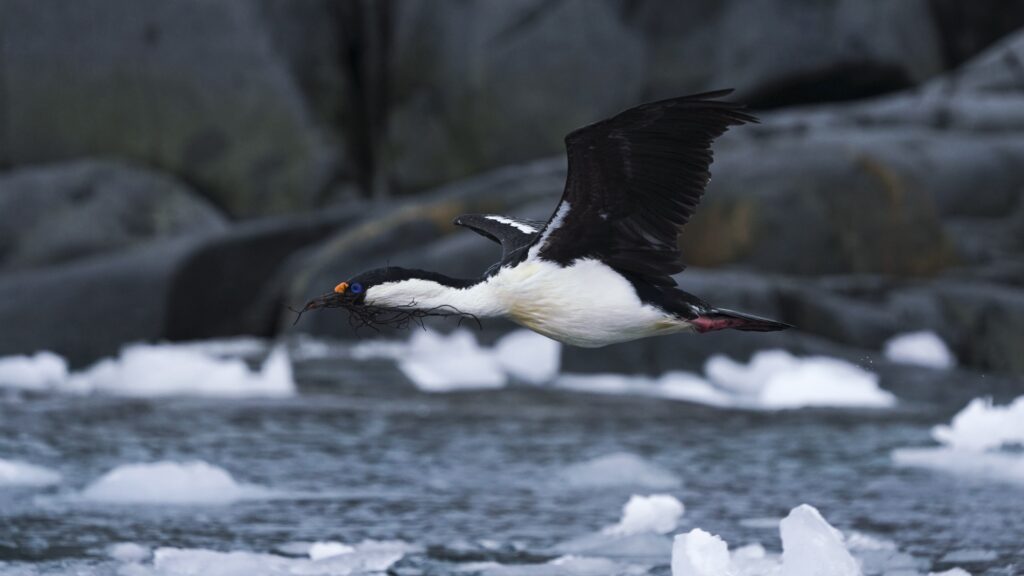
[[772, 380], [812, 547], [144, 370], [170, 483], [528, 356], [920, 349], [438, 363], [951, 572], [973, 443], [657, 513], [569, 565], [698, 553], [435, 362], [190, 562], [38, 372], [128, 552], [15, 473], [983, 426], [777, 379], [619, 469], [321, 550]]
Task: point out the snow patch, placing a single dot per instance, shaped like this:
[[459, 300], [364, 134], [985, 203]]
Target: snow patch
[[168, 482], [38, 372], [619, 469], [772, 380], [128, 552], [920, 349], [982, 441], [435, 362], [657, 513], [16, 473]]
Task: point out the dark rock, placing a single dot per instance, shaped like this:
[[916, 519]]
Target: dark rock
[[51, 214], [198, 286], [194, 88], [844, 202], [796, 52], [480, 84]]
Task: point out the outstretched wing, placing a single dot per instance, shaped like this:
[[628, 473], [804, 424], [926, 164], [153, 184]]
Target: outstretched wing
[[634, 180], [513, 234]]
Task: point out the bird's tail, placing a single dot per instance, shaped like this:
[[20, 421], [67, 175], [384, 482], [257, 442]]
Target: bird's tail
[[722, 319]]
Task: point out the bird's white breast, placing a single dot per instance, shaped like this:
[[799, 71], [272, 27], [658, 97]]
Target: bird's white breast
[[585, 304]]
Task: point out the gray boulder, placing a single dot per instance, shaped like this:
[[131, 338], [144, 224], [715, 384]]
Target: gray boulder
[[782, 52], [197, 286], [481, 84], [191, 87], [51, 214]]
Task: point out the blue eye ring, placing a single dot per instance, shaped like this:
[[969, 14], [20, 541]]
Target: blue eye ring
[[356, 288]]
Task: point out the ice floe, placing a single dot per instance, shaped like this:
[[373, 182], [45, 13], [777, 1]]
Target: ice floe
[[657, 513], [436, 362], [920, 349], [772, 380], [145, 370], [698, 553], [640, 532], [810, 547], [618, 469], [167, 482], [16, 473], [325, 559], [39, 372], [982, 441]]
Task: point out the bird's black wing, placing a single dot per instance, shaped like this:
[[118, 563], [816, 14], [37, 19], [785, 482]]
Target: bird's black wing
[[514, 234], [634, 180]]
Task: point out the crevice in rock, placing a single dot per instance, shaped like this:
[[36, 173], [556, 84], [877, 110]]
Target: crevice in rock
[[847, 81]]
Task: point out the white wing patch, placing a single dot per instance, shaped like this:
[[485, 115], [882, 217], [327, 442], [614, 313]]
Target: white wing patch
[[554, 224], [521, 226]]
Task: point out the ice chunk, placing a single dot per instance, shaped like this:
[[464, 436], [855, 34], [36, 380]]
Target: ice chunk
[[619, 469], [812, 547], [189, 562], [562, 566], [777, 379], [920, 349], [528, 356], [657, 513], [698, 553], [321, 550], [951, 572], [168, 482], [982, 426], [772, 380], [16, 473], [39, 372], [128, 552], [438, 363], [973, 443], [1000, 467], [168, 370]]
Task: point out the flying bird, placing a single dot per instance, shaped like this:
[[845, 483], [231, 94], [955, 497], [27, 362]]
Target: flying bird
[[599, 271]]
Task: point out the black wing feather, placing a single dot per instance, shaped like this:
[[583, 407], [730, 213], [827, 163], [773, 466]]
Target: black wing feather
[[634, 180], [511, 233]]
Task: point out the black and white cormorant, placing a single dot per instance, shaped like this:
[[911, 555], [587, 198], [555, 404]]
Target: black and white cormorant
[[599, 271]]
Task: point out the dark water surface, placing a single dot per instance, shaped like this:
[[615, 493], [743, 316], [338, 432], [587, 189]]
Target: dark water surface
[[384, 461]]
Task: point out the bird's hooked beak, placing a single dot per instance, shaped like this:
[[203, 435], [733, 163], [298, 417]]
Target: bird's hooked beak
[[341, 297]]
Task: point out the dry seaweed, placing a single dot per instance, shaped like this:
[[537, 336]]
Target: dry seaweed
[[375, 317]]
